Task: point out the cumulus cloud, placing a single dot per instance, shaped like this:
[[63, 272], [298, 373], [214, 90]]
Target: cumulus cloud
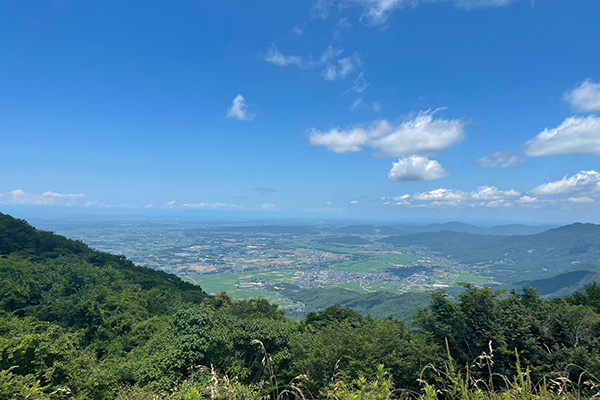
[[267, 207], [417, 168], [580, 189], [501, 159], [239, 110], [213, 206], [483, 196], [584, 182], [493, 193], [576, 135], [21, 198], [585, 97], [422, 135], [441, 195], [169, 204], [340, 141], [354, 202]]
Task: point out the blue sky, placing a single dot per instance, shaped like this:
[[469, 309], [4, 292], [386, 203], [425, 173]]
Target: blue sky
[[373, 109]]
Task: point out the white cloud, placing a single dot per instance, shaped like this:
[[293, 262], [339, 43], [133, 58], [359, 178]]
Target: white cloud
[[274, 56], [585, 97], [527, 200], [149, 206], [580, 200], [376, 12], [484, 196], [328, 55], [579, 189], [335, 67], [584, 182], [441, 195], [21, 198], [340, 141], [344, 67], [354, 202], [471, 4], [358, 103], [423, 135], [492, 193], [267, 207], [328, 203], [576, 135], [239, 110], [169, 204], [213, 206], [501, 159], [321, 9], [296, 30], [342, 24], [359, 85], [417, 168]]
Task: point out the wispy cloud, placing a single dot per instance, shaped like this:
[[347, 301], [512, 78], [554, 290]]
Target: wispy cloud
[[377, 12], [342, 68], [265, 190], [334, 66], [296, 30], [267, 207], [213, 206], [359, 85], [323, 210], [501, 159], [275, 56], [22, 198]]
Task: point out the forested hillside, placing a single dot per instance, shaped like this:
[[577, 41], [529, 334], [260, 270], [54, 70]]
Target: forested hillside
[[518, 258], [77, 323]]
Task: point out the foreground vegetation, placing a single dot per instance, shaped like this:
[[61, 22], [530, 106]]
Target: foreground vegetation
[[77, 323]]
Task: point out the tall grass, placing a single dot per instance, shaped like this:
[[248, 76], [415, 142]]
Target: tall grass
[[448, 382]]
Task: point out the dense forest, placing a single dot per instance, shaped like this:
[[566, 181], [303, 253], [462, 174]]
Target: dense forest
[[78, 323]]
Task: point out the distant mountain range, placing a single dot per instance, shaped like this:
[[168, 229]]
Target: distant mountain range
[[402, 229], [519, 258]]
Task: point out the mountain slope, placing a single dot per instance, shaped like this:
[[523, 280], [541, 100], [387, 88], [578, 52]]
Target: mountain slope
[[542, 255]]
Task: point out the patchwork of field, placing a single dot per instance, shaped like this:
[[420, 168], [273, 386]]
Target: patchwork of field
[[300, 268]]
